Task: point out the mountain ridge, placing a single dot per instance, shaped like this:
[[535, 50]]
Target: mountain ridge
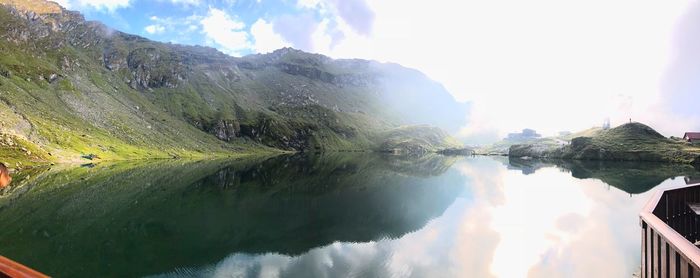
[[70, 86]]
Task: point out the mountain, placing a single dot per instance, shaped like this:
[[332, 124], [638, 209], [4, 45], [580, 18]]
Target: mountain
[[628, 142], [417, 139], [71, 87]]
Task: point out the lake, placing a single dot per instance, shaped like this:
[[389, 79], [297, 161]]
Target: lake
[[333, 215]]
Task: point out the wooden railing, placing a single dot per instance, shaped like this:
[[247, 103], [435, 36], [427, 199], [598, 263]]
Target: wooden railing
[[669, 229], [12, 269]]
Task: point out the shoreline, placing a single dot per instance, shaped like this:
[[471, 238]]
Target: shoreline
[[526, 157]]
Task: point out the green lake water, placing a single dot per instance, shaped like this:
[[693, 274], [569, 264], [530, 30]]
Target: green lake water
[[337, 215]]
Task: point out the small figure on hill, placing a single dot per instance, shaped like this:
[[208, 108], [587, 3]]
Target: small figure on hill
[[606, 124], [5, 178]]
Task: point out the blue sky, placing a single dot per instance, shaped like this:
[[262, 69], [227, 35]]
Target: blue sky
[[236, 27], [584, 61]]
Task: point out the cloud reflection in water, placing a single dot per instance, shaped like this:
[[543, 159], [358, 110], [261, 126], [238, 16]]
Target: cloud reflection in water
[[545, 224]]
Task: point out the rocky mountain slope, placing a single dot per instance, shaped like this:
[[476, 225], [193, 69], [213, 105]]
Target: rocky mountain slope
[[628, 142], [70, 87]]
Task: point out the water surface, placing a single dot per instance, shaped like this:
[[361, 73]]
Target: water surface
[[340, 215]]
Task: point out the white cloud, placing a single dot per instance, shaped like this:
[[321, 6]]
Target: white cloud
[[112, 5], [186, 2], [154, 29], [193, 19], [321, 38], [266, 40], [182, 27], [230, 3], [543, 64], [63, 3], [309, 4], [223, 30], [108, 5]]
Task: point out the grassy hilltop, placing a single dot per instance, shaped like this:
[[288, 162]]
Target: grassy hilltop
[[628, 142]]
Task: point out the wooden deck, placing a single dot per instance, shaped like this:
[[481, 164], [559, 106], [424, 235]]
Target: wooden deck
[[12, 269], [669, 229]]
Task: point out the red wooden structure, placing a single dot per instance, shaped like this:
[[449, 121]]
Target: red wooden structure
[[12, 269]]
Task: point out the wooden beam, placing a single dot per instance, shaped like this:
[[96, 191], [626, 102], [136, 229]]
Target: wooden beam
[[14, 269]]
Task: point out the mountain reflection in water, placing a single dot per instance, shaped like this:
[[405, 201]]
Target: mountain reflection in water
[[557, 220], [631, 177], [133, 220], [340, 215]]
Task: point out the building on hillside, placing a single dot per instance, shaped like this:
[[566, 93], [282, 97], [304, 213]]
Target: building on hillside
[[527, 134], [692, 137]]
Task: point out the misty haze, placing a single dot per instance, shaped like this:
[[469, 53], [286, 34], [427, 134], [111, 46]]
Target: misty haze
[[349, 138]]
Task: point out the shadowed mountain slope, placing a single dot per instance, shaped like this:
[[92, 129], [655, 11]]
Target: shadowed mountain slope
[[70, 87]]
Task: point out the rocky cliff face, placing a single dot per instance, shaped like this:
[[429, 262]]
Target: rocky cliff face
[[227, 130], [152, 69], [85, 78]]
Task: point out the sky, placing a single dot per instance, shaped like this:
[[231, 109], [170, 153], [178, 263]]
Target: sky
[[549, 65]]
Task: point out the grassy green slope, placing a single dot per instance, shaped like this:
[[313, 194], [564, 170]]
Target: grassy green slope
[[417, 139], [70, 87], [85, 109]]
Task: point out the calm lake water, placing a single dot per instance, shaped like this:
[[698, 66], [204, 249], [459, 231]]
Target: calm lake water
[[340, 215]]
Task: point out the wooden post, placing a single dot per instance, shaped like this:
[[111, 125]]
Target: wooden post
[[644, 249], [667, 250]]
